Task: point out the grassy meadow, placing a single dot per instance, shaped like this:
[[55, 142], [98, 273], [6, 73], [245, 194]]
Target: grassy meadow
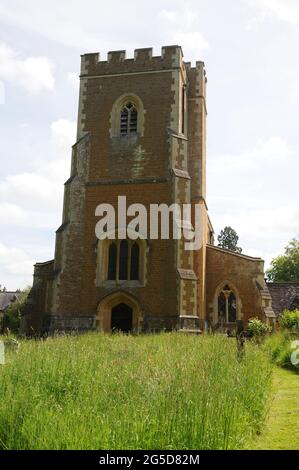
[[166, 391]]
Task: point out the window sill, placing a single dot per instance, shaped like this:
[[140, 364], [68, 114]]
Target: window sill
[[126, 137], [120, 284]]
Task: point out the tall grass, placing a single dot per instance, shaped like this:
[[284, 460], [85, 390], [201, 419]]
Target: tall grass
[[280, 347], [167, 391]]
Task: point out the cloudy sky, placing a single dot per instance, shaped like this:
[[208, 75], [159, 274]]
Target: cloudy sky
[[250, 48]]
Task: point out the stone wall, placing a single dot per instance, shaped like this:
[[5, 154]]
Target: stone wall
[[32, 321]]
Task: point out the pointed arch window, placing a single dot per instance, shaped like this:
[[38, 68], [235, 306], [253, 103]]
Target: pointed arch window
[[124, 261], [128, 119], [227, 306], [135, 255], [112, 262]]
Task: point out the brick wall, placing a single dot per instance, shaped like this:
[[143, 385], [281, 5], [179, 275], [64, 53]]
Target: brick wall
[[240, 272]]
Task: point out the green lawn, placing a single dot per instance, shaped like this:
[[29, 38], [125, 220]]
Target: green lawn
[[166, 391], [282, 429]]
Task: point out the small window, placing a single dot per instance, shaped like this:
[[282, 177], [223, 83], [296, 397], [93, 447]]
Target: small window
[[112, 262], [135, 262], [123, 260], [128, 119]]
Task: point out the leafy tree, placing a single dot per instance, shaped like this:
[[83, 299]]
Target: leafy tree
[[2, 289], [12, 315], [228, 239], [285, 268]]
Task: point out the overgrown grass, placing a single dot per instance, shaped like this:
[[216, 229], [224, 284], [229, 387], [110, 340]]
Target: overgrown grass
[[165, 391]]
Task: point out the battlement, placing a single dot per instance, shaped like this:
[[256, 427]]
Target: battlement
[[197, 79], [171, 58]]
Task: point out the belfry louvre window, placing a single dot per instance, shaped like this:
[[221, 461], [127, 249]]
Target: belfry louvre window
[[128, 119], [123, 261]]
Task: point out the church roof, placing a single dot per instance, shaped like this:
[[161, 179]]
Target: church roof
[[285, 296], [7, 298]]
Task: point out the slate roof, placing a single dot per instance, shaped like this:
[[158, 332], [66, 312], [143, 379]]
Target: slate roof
[[285, 296], [6, 298]]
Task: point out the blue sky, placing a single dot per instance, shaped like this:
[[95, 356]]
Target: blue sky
[[250, 48]]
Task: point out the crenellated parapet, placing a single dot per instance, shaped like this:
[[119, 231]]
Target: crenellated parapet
[[171, 58], [197, 79]]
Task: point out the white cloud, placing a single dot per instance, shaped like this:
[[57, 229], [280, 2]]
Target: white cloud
[[34, 198], [283, 10], [2, 93], [15, 260], [185, 16], [258, 219], [266, 152], [295, 91], [35, 74], [12, 213], [193, 43], [73, 78], [267, 256], [63, 135], [255, 193], [182, 28], [66, 22]]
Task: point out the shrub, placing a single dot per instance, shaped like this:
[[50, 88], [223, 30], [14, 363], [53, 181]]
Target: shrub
[[258, 329], [280, 346], [290, 320], [12, 315]]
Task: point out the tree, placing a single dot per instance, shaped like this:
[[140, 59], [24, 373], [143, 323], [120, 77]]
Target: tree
[[228, 239], [285, 268], [2, 289], [12, 314]]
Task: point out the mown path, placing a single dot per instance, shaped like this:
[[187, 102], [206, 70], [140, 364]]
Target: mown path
[[282, 428]]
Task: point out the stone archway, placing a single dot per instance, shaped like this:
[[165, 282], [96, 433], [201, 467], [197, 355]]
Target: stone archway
[[119, 311]]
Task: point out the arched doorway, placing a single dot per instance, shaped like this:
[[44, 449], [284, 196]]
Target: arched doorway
[[119, 311], [121, 318]]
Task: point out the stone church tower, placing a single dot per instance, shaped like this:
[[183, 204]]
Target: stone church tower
[[141, 134]]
